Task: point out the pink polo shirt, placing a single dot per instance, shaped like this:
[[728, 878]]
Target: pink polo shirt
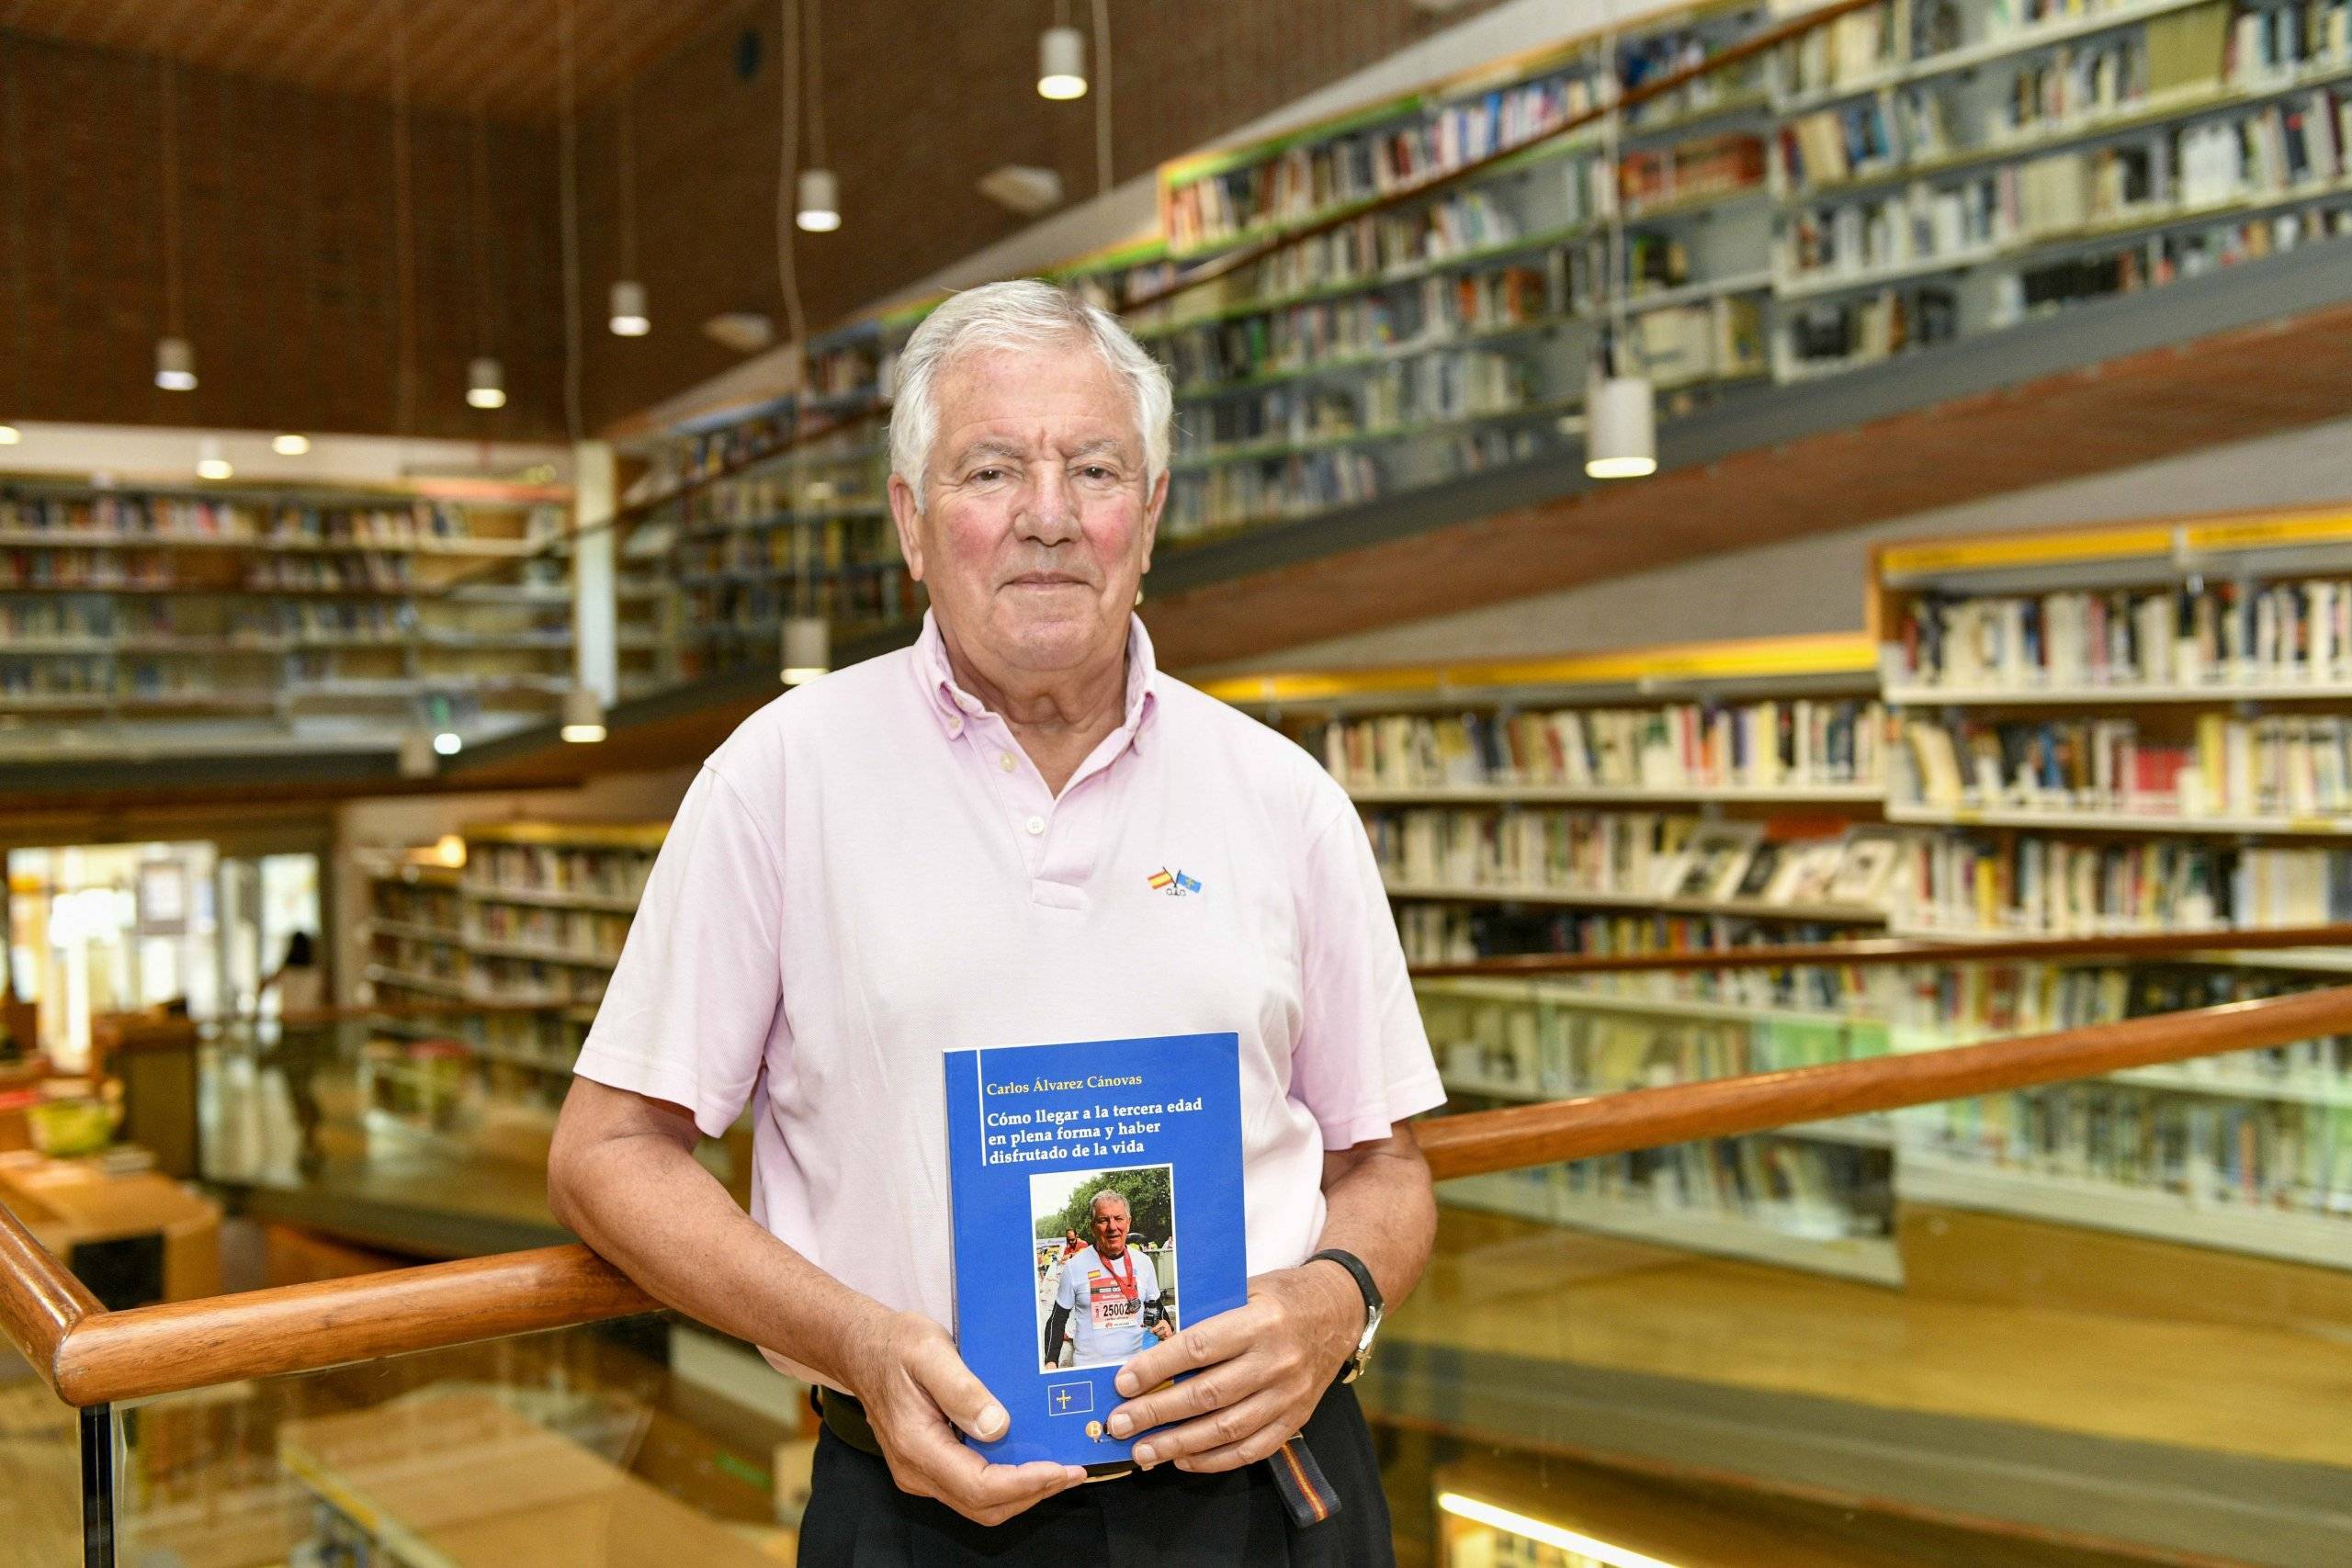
[[870, 872]]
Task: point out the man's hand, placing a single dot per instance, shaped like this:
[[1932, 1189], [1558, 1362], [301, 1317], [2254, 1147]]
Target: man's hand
[[916, 1392], [1262, 1366]]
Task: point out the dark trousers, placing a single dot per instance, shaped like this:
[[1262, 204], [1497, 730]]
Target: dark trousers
[[1162, 1517]]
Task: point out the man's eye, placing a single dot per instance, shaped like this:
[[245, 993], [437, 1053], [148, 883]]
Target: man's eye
[[987, 476], [1097, 471]]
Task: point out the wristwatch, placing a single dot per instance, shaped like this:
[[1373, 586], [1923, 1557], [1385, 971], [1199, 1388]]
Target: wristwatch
[[1353, 1367]]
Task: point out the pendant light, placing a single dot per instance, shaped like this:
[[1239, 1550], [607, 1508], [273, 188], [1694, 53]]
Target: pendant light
[[628, 317], [808, 648], [1061, 62], [174, 357], [820, 202], [583, 717], [175, 365], [1620, 406], [1620, 420], [209, 463], [486, 383], [485, 377], [819, 209], [441, 722], [290, 444]]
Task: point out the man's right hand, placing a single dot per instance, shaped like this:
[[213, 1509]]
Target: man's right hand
[[917, 1391]]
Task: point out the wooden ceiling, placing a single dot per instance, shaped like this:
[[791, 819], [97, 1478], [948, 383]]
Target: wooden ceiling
[[500, 55]]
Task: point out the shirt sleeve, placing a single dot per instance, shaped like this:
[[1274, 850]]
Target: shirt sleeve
[[692, 1009], [1065, 1293], [1363, 1061]]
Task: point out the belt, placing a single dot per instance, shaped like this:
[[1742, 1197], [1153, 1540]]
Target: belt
[[1307, 1495]]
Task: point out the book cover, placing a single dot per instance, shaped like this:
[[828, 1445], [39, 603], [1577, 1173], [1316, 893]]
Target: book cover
[[1081, 1175]]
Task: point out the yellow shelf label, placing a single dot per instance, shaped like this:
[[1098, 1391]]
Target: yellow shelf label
[[2267, 533], [2042, 549]]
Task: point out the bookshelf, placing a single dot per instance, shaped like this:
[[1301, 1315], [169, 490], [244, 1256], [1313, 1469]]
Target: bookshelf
[[1424, 336], [2212, 651], [1904, 175], [173, 617], [2124, 727], [1566, 804], [749, 516], [521, 940], [1671, 797]]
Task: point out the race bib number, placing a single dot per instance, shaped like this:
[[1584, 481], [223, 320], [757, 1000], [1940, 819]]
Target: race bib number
[[1108, 1305]]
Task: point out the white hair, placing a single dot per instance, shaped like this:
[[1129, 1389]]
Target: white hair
[[1096, 1201], [1021, 314]]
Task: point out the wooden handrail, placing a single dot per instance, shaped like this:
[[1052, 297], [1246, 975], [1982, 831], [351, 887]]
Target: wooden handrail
[[293, 1328], [1874, 950], [91, 1356], [42, 1304], [1652, 1118]]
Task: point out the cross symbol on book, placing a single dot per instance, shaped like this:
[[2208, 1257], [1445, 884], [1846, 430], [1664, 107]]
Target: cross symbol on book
[[1064, 1396]]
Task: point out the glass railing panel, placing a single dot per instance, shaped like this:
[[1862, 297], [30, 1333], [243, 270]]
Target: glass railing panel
[[425, 1127], [2098, 1321], [41, 1483], [639, 1441]]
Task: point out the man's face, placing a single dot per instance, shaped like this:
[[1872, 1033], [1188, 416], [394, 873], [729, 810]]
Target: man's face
[[1109, 1229], [1036, 526]]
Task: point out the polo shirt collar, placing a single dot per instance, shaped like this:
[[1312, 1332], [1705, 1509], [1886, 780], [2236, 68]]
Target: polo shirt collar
[[953, 707]]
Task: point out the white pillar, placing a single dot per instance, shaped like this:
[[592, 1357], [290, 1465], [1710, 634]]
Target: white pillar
[[595, 655]]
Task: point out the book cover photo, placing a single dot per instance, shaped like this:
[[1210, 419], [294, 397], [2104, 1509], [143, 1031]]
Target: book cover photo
[[1082, 1177]]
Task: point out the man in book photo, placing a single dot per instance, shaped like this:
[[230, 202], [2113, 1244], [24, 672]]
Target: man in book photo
[[1108, 1302], [972, 843]]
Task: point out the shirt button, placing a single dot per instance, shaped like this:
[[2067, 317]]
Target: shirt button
[[1036, 825], [1004, 761], [954, 724]]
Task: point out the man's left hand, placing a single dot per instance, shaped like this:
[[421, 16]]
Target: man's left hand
[[1261, 1367]]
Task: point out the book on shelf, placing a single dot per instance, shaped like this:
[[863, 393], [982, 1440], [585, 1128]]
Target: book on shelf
[[1480, 927], [2023, 883], [2206, 1152], [2281, 766], [1474, 853], [1304, 181], [2221, 633], [1855, 48], [1778, 744], [1805, 1189]]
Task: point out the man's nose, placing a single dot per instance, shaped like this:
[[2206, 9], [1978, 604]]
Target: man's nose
[[1052, 512]]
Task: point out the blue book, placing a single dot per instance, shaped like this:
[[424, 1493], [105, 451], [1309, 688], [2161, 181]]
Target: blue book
[[1081, 1177]]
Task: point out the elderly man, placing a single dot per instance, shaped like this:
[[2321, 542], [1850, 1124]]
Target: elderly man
[[1111, 1287], [955, 846]]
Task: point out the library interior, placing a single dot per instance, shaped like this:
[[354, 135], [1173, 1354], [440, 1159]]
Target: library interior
[[1814, 535]]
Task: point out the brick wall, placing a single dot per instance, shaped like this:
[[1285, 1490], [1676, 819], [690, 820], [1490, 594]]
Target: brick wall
[[287, 254], [287, 202]]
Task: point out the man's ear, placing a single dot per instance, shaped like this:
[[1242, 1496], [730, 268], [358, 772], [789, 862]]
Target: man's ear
[[1152, 507], [905, 514]]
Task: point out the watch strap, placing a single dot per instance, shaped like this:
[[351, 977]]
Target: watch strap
[[1364, 1282]]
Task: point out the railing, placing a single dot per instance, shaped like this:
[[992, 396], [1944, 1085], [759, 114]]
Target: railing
[[91, 1356]]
